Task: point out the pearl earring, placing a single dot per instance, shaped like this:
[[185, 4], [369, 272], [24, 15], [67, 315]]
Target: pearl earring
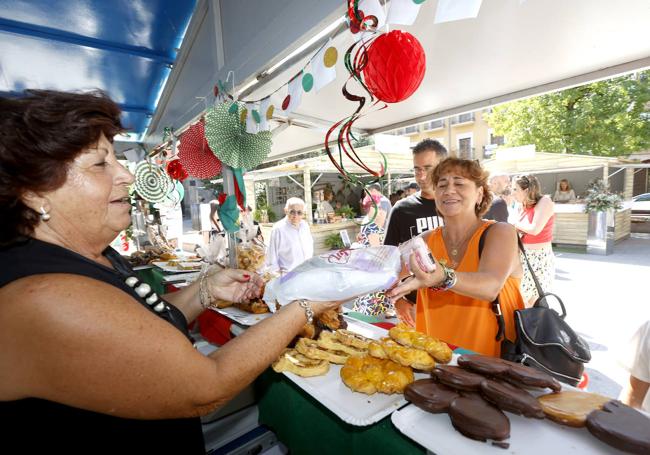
[[44, 215]]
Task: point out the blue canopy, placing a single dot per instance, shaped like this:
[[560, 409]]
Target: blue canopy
[[124, 47]]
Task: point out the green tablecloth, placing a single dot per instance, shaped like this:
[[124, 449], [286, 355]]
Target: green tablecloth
[[307, 427]]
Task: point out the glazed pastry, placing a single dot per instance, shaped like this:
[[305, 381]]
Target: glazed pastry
[[352, 339], [329, 341], [370, 375], [294, 362], [311, 349], [407, 336], [408, 357], [571, 407]]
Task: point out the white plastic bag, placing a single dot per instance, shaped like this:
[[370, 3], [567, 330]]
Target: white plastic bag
[[337, 275]]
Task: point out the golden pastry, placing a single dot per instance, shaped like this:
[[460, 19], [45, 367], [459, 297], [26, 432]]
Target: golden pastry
[[311, 349], [329, 341], [294, 362], [352, 339], [370, 375], [407, 336], [408, 357], [571, 407]]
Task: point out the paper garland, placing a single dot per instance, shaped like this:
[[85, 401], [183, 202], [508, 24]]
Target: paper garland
[[152, 182], [228, 139]]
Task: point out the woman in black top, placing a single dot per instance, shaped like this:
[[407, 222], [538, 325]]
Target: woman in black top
[[92, 360]]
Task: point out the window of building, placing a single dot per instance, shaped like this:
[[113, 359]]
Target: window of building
[[412, 129], [463, 118], [494, 139], [433, 125], [465, 149]]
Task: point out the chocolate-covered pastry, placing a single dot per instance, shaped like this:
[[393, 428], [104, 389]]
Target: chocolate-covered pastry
[[483, 364], [532, 377], [457, 377], [508, 397], [429, 395], [477, 419], [621, 426]]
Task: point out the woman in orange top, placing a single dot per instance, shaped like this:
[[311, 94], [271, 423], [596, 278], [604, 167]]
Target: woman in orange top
[[454, 301]]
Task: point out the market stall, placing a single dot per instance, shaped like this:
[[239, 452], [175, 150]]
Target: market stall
[[571, 221]]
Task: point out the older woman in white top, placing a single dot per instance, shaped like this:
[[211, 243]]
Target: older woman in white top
[[291, 242]]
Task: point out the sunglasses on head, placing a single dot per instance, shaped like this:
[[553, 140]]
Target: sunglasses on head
[[295, 212]]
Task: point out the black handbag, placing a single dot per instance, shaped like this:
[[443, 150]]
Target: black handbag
[[544, 339]]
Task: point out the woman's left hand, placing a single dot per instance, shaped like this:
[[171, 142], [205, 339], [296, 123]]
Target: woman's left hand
[[234, 285], [419, 279]]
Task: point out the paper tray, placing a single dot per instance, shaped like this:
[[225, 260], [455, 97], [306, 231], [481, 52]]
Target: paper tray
[[354, 408], [240, 316], [527, 436], [173, 269]]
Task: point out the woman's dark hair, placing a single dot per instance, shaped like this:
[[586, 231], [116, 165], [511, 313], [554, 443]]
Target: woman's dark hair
[[471, 170], [530, 183], [41, 133]]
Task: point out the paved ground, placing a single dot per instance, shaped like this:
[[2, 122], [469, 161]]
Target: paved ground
[[607, 298]]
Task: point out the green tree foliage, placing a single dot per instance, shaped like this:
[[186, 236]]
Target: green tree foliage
[[606, 118]]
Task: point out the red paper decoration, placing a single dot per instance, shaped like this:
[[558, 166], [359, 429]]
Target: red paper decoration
[[176, 171], [395, 67], [195, 154]]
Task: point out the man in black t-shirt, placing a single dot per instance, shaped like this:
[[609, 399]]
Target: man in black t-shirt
[[417, 213]]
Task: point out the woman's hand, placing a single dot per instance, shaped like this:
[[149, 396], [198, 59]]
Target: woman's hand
[[234, 285], [419, 279]]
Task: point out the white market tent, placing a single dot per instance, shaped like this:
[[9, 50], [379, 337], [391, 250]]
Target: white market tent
[[513, 49]]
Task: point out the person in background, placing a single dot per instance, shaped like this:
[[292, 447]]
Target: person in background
[[326, 203], [85, 343], [535, 224], [564, 192], [637, 362], [291, 242], [417, 213], [214, 219], [499, 209], [412, 189], [454, 301], [383, 202]]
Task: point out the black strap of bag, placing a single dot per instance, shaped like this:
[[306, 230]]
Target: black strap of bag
[[541, 300]]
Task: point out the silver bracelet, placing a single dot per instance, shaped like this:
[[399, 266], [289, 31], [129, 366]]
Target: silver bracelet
[[305, 305], [204, 295]]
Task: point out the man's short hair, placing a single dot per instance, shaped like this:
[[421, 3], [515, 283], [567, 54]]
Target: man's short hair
[[426, 145], [497, 175], [374, 186], [413, 186], [294, 201]]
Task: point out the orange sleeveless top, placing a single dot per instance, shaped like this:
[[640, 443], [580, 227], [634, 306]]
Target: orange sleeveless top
[[464, 321]]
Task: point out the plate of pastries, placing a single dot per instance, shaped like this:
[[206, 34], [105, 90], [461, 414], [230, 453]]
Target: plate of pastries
[[357, 370], [485, 404]]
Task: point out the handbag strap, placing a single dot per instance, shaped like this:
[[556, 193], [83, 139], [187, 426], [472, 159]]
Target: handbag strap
[[496, 306], [538, 286]]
